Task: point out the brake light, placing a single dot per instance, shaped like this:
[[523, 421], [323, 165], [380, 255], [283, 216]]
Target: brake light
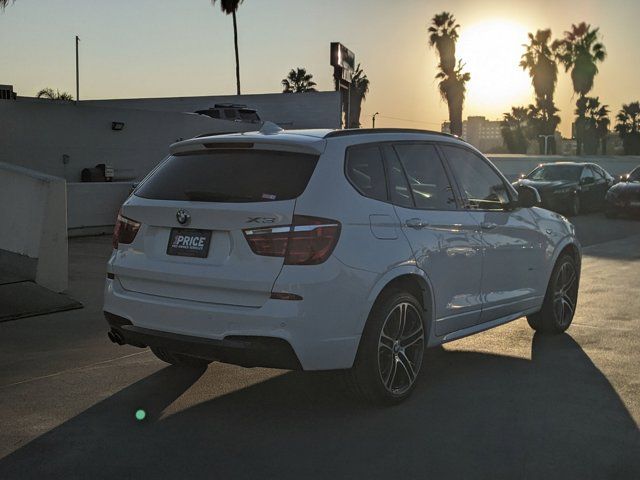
[[125, 230], [308, 241]]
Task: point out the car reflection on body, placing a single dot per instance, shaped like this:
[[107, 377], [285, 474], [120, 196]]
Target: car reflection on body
[[624, 197], [569, 187]]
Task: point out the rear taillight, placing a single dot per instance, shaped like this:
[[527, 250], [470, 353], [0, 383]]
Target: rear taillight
[[309, 241], [125, 230]]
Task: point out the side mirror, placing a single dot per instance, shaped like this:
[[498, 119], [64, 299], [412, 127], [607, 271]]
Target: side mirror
[[528, 196]]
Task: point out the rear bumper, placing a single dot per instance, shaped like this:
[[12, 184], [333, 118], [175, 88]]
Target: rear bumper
[[323, 329], [244, 351]]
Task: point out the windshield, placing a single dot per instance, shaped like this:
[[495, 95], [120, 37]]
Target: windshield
[[556, 172], [230, 176], [634, 176]]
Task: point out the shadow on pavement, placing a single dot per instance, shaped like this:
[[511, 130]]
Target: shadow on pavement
[[474, 415]]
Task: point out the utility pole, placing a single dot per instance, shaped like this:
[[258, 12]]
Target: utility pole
[[77, 72], [546, 142], [373, 119]]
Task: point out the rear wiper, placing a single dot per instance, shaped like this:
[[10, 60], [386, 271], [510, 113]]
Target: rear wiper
[[205, 196]]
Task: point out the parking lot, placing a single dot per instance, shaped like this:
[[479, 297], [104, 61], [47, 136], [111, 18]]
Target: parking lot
[[502, 404]]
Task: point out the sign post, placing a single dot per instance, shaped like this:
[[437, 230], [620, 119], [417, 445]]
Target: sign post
[[343, 61]]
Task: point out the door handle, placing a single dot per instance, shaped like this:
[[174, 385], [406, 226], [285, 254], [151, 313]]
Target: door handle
[[488, 225], [415, 223]]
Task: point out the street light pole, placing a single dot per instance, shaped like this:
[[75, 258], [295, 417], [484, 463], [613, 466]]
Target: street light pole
[[77, 71], [373, 119]]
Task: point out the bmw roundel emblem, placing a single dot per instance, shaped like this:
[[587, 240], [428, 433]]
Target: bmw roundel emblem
[[183, 216]]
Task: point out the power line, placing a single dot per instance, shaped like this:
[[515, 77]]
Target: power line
[[409, 120]]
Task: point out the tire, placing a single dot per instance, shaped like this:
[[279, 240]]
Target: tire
[[391, 350], [179, 359], [574, 207], [559, 305]]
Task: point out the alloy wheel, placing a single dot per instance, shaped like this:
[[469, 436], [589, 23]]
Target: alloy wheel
[[565, 294], [400, 348]]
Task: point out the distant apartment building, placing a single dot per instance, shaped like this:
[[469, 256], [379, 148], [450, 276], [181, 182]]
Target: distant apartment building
[[481, 133]]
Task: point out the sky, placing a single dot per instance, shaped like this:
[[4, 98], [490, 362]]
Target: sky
[[145, 48]]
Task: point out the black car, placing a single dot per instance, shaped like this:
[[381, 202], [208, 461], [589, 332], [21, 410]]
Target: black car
[[624, 197], [569, 187]]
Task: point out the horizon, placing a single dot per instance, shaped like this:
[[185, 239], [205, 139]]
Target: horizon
[[131, 55]]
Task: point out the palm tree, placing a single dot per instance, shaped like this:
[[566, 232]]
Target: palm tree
[[230, 7], [443, 35], [596, 123], [628, 121], [358, 92], [49, 94], [514, 129], [580, 51], [603, 122], [453, 89], [4, 3], [540, 61], [298, 81]]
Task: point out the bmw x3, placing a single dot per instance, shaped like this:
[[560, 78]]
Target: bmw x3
[[349, 250]]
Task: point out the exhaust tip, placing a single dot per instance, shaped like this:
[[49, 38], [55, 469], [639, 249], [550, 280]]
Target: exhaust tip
[[116, 337]]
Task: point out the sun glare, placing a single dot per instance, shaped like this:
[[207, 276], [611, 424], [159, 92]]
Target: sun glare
[[491, 51]]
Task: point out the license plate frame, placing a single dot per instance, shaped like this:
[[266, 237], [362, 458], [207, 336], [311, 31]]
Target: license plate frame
[[193, 243]]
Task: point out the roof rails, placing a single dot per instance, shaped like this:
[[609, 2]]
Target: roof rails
[[367, 131]]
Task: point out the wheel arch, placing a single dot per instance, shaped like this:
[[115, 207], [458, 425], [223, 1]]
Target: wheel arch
[[407, 278]]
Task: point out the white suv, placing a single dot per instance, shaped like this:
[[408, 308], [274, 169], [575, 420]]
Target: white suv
[[315, 250]]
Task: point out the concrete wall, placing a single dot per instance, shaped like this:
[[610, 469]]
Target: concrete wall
[[33, 219], [93, 207], [290, 111], [514, 165], [36, 135]]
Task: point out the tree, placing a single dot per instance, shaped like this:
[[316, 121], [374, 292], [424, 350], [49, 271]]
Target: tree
[[540, 61], [596, 124], [514, 129], [627, 122], [230, 7], [580, 51], [453, 89], [443, 35], [4, 3], [49, 94], [298, 81], [358, 93]]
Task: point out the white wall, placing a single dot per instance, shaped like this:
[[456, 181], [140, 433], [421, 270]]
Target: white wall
[[37, 133], [93, 207], [290, 111], [34, 225]]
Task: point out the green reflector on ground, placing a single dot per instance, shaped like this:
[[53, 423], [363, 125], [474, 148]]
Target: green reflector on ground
[[140, 414]]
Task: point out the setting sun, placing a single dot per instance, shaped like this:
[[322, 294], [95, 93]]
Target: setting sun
[[491, 51]]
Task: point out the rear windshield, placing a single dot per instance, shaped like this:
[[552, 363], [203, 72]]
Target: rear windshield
[[230, 176]]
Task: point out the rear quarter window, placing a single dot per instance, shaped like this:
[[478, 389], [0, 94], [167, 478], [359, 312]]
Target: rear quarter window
[[365, 171], [230, 176]]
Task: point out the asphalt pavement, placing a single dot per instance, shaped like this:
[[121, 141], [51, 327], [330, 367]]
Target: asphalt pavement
[[506, 403]]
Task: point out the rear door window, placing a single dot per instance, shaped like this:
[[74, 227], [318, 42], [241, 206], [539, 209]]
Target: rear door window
[[230, 176], [427, 178], [365, 171]]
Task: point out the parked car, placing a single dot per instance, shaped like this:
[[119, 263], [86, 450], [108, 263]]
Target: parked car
[[316, 250], [624, 197], [231, 111], [569, 187]]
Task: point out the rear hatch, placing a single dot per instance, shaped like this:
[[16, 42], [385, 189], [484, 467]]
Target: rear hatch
[[193, 211]]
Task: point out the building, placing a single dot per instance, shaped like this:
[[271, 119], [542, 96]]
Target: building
[[481, 133]]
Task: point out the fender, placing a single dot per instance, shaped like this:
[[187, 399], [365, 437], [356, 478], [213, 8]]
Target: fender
[[383, 281], [567, 240]]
